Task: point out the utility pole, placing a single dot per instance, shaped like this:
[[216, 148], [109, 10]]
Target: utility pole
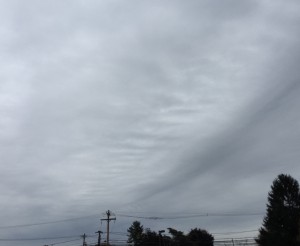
[[108, 219], [99, 237], [84, 237]]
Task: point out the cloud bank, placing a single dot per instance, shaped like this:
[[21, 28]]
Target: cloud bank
[[145, 108]]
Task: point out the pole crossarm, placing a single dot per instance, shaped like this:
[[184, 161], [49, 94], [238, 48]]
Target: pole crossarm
[[108, 219]]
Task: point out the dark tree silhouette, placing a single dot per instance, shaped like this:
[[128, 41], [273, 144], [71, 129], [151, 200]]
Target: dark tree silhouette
[[178, 237], [151, 238], [140, 237], [135, 233], [199, 237], [281, 224]]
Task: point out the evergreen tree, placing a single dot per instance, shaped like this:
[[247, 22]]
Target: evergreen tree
[[135, 233], [281, 224]]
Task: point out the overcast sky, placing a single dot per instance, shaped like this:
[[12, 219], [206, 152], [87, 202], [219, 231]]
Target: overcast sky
[[146, 108]]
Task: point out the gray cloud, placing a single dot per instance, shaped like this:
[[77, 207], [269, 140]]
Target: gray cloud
[[157, 108]]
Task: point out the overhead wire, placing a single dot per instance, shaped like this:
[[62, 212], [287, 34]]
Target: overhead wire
[[232, 232], [66, 241], [134, 216], [189, 216], [37, 238], [47, 222], [182, 216]]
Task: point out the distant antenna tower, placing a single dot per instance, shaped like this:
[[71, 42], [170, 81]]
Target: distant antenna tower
[[109, 216]]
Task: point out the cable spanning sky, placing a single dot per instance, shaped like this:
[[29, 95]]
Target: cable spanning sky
[[165, 109]]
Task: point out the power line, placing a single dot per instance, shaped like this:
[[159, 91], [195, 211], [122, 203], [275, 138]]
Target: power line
[[189, 216], [234, 238], [232, 232], [66, 241], [36, 239], [135, 216], [46, 223], [78, 238]]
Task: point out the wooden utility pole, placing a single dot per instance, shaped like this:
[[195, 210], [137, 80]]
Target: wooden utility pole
[[84, 237], [108, 219], [99, 237]]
